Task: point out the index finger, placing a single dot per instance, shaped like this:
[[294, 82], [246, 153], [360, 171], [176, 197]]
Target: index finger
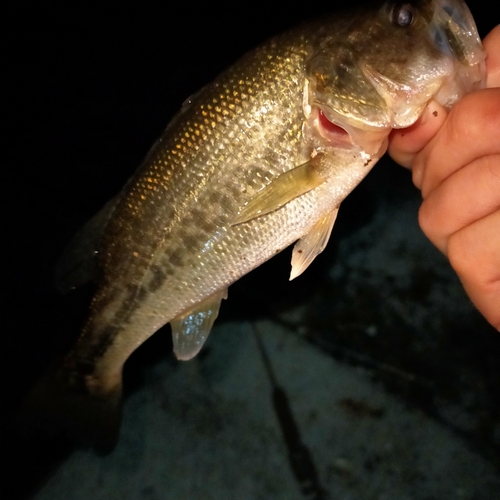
[[470, 131]]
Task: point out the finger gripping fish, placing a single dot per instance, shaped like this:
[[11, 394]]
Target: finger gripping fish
[[257, 160]]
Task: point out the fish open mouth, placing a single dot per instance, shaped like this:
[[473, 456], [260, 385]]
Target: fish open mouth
[[334, 133], [331, 133]]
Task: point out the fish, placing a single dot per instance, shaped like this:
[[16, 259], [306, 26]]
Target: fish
[[257, 160]]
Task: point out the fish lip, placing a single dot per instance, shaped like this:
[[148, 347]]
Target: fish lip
[[405, 102]]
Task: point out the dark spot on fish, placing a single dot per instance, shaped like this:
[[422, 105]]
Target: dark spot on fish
[[190, 240], [157, 280], [97, 350], [176, 257], [169, 272], [214, 197], [197, 215], [299, 251], [235, 191], [142, 294], [434, 113], [205, 226], [368, 162], [198, 219], [201, 223], [168, 213], [105, 336], [136, 293], [225, 202]]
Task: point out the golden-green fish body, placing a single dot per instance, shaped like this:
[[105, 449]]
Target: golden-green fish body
[[255, 161]]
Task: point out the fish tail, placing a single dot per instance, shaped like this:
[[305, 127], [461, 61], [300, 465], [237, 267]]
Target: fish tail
[[56, 406]]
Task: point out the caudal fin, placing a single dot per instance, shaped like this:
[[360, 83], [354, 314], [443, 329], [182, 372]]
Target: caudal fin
[[57, 407]]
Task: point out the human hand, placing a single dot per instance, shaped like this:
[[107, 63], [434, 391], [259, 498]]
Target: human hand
[[455, 160]]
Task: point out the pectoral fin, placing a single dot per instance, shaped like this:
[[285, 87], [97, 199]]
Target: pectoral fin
[[312, 244], [282, 190], [190, 331]]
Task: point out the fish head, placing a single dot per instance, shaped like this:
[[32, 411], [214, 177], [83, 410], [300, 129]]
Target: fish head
[[383, 67]]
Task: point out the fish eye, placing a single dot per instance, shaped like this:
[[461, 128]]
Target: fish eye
[[402, 15]]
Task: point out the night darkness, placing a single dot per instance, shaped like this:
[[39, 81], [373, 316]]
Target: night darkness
[[89, 91]]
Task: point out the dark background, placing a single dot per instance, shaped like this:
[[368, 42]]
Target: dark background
[[88, 91]]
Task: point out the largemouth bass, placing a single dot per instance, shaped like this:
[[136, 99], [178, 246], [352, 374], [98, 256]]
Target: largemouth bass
[[257, 160]]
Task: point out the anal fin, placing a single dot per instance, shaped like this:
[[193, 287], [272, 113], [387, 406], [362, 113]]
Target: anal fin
[[190, 331], [283, 189], [312, 244]]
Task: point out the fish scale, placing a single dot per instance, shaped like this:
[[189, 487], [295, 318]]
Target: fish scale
[[175, 241], [260, 158]]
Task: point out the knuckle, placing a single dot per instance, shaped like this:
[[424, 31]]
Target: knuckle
[[426, 221], [458, 255]]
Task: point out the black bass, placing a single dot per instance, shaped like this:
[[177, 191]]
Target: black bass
[[257, 160]]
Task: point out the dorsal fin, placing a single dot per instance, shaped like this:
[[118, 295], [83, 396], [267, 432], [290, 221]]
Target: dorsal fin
[[78, 263]]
